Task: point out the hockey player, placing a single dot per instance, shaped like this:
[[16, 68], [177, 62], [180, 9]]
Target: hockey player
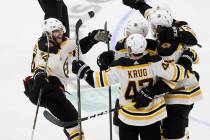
[[173, 39], [187, 92], [135, 73], [134, 26], [52, 56]]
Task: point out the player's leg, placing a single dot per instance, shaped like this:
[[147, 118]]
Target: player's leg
[[127, 132], [115, 118], [151, 132], [174, 125], [54, 99]]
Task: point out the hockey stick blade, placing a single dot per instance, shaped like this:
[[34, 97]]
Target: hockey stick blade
[[53, 119], [60, 123], [107, 42], [84, 18]]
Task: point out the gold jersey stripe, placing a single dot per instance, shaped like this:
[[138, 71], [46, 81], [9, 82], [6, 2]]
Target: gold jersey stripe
[[148, 117], [146, 110], [97, 79], [73, 132], [175, 72], [196, 93], [181, 75], [183, 96], [122, 51], [190, 88], [105, 78]]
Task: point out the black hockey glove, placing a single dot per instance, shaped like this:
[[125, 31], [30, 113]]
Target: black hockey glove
[[105, 59], [40, 79], [80, 68], [99, 35], [132, 3], [187, 59], [168, 34], [143, 98]]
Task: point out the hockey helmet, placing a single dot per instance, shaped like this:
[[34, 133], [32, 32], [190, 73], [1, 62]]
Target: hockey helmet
[[136, 26], [52, 24], [137, 43]]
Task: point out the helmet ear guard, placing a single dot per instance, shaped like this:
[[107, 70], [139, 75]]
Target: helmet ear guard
[[136, 44], [51, 24]]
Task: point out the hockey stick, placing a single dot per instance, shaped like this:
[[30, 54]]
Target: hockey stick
[[79, 23], [57, 122], [41, 91], [110, 90]]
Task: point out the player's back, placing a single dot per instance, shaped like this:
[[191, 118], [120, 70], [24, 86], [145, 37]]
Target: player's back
[[134, 75]]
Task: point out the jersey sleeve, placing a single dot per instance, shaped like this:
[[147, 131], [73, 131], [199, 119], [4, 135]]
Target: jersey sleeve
[[68, 46], [168, 71], [105, 78], [187, 35], [196, 59]]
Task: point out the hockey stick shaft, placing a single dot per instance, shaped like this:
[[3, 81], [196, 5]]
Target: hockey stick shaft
[[40, 92], [79, 23], [57, 122], [36, 115], [110, 90]]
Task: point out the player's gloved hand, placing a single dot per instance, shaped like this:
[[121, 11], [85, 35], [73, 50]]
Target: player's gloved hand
[[40, 78], [168, 34], [187, 58], [133, 3], [105, 59], [143, 98], [79, 68], [99, 35]]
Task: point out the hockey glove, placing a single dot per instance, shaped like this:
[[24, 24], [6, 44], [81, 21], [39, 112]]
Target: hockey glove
[[187, 59], [168, 34], [80, 68], [99, 35], [143, 98], [40, 79], [132, 3], [105, 59]]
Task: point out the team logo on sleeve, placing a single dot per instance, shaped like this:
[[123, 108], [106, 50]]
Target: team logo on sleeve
[[165, 65]]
